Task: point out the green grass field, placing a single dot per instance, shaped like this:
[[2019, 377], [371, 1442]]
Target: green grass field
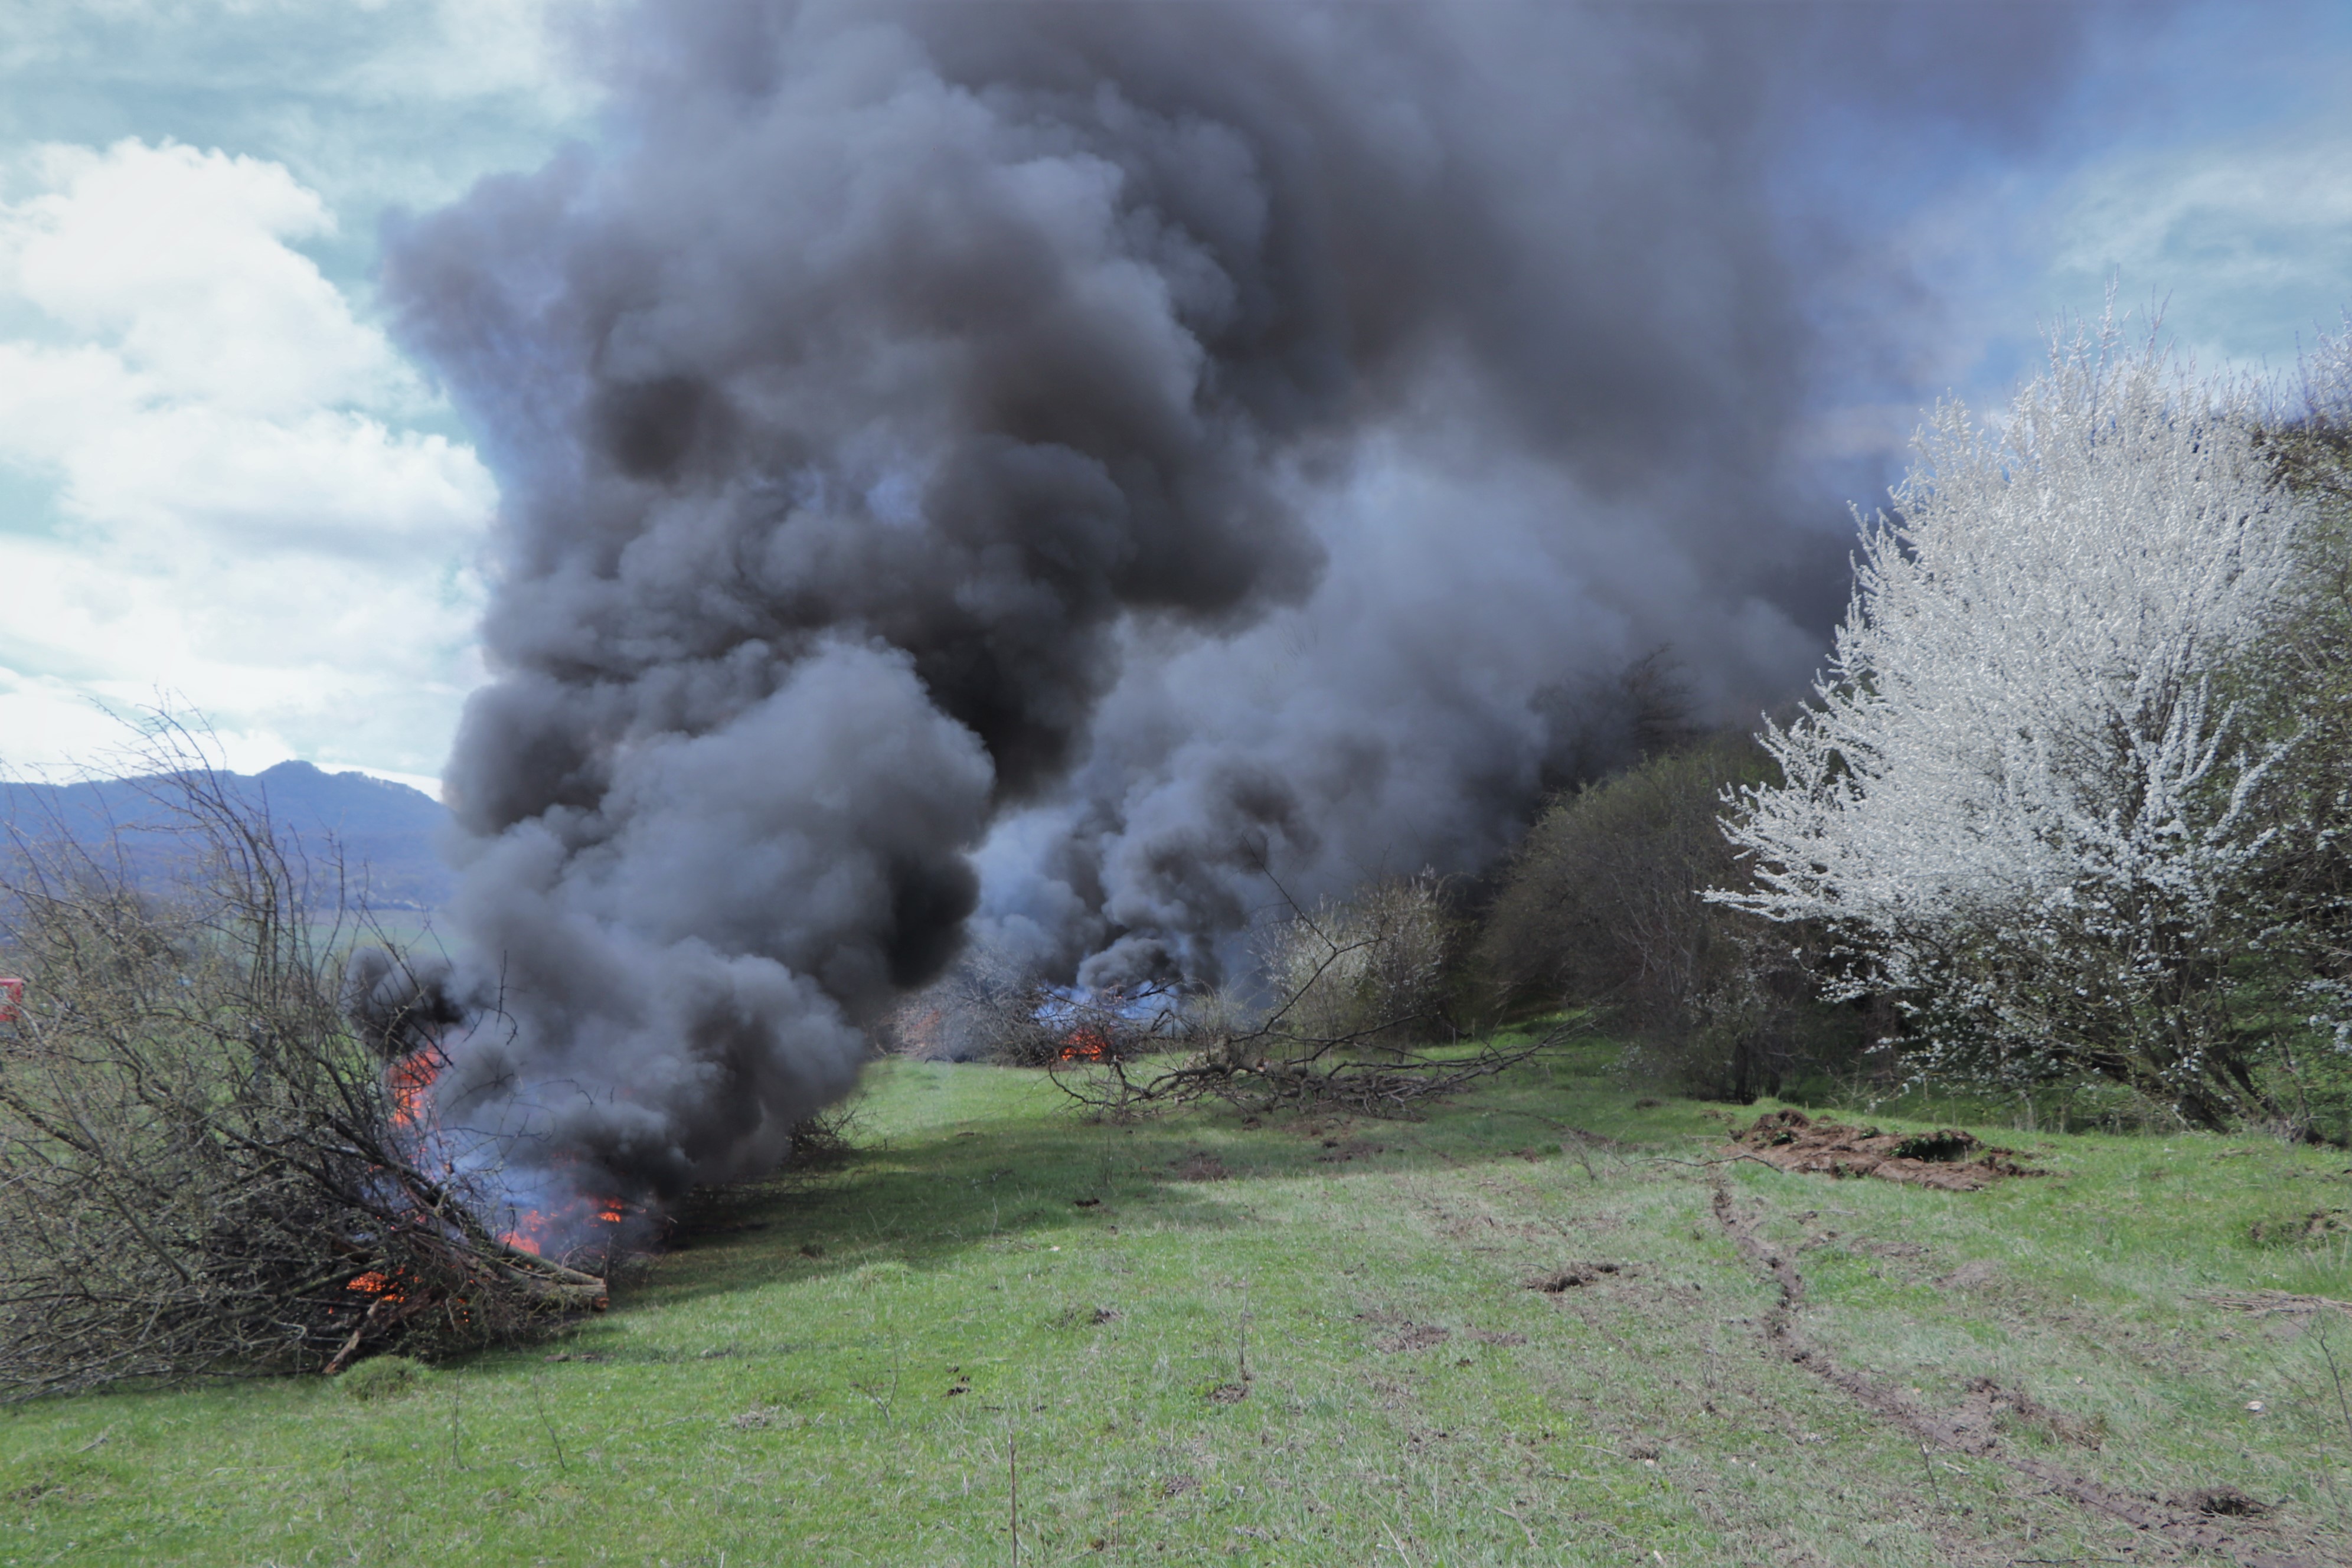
[[846, 1368]]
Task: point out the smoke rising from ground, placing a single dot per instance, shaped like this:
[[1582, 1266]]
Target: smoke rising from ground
[[1041, 462]]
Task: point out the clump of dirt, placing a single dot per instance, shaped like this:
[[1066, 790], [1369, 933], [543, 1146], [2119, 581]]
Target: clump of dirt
[[2226, 1503], [1085, 1317], [1948, 1159], [1411, 1337], [2296, 1230], [1575, 1276], [1199, 1166], [1968, 1277], [1489, 1337], [1991, 1406]]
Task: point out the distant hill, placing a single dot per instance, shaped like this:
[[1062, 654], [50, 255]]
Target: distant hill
[[384, 832]]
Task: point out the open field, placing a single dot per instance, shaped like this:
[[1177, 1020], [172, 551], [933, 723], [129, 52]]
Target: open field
[[1317, 1343]]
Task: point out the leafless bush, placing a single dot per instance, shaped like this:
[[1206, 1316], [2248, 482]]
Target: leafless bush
[[1366, 968], [203, 1167], [1355, 986], [990, 1007]]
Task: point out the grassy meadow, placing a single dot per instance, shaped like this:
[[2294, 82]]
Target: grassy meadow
[[1201, 1340]]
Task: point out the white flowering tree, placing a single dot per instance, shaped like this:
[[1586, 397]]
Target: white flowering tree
[[2023, 799]]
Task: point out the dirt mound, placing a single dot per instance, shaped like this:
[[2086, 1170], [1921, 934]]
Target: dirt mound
[[1950, 1159], [1575, 1276], [2227, 1503], [1992, 1407], [1411, 1337], [2319, 1225]]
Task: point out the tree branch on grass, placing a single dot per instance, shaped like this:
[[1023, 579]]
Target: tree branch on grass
[[1355, 994]]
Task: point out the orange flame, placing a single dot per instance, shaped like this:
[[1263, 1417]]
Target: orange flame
[[1085, 1044], [411, 1080], [532, 1225]]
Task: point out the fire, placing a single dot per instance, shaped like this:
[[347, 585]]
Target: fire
[[411, 1081], [533, 1227], [1083, 1044], [377, 1284]]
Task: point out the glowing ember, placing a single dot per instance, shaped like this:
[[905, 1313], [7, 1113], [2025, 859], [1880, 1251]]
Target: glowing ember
[[373, 1283]]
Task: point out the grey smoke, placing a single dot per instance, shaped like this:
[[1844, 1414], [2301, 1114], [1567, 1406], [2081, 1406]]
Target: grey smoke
[[1044, 462]]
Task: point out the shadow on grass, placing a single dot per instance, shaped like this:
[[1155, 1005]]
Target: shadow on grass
[[1026, 1168]]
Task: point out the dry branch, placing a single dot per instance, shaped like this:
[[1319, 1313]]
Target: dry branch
[[1354, 991], [204, 1168]]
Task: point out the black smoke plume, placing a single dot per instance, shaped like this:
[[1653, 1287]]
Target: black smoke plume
[[1047, 462]]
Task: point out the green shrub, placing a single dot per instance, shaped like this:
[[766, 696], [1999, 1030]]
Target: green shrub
[[383, 1377], [1603, 907]]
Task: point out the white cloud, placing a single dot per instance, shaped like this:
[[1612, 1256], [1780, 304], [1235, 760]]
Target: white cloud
[[481, 49], [2249, 240], [239, 517], [180, 257]]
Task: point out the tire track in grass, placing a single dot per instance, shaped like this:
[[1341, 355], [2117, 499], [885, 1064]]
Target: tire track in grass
[[1893, 1405]]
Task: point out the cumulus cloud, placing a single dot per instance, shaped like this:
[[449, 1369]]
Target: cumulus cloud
[[231, 503]]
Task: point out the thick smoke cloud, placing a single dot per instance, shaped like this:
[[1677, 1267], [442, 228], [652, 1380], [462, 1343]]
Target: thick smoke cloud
[[1032, 461]]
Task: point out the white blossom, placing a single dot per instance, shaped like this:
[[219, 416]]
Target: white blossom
[[2019, 794]]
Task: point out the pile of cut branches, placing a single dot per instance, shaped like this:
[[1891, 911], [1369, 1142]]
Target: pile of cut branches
[[205, 1167], [1353, 1007], [1271, 1068]]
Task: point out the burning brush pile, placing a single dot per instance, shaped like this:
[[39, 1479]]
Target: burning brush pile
[[205, 1167]]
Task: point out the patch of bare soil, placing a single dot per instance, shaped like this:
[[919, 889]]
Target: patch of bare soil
[[1199, 1166], [1968, 1277], [1575, 1276], [1338, 1152], [2270, 1303], [1489, 1337], [1949, 1159], [1411, 1337], [2196, 1521], [1993, 1408]]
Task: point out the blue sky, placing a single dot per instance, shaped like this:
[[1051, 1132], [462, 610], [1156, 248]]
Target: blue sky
[[218, 480]]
